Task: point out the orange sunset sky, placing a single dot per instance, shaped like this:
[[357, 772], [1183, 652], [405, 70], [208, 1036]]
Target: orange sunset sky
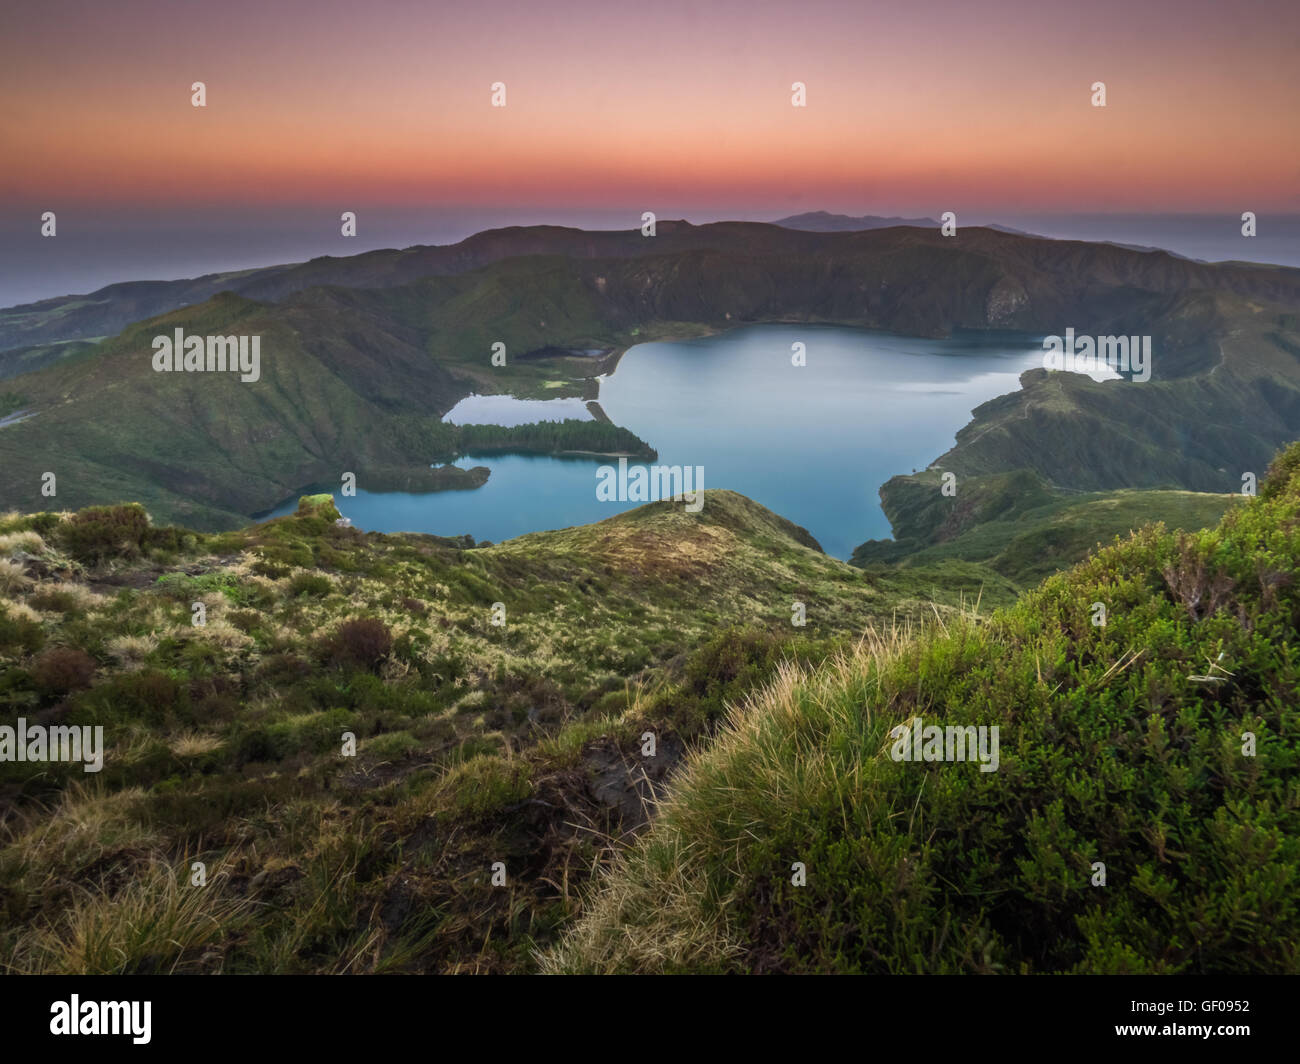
[[912, 104]]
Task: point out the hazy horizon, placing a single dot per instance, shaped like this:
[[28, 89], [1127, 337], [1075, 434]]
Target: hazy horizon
[[96, 248]]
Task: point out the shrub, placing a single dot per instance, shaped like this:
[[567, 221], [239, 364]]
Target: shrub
[[44, 523], [362, 643], [57, 599], [318, 505], [13, 577], [313, 584], [60, 670], [165, 539], [149, 695], [725, 669], [270, 569], [245, 620], [283, 669], [286, 554], [19, 633], [1281, 473], [98, 533]]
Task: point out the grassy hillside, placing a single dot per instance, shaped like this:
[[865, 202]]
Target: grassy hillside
[[1123, 744], [29, 359], [524, 744], [476, 743], [1055, 465], [343, 388]]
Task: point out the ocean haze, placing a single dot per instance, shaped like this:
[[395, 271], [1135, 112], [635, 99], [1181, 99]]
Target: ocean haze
[[1208, 237], [97, 247]]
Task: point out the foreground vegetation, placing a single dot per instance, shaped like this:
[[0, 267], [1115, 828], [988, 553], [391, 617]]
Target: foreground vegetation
[[1159, 749], [644, 749], [475, 743]]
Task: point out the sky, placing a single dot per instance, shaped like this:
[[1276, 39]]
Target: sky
[[914, 106]]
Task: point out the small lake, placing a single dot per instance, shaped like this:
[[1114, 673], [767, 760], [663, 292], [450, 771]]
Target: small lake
[[813, 442]]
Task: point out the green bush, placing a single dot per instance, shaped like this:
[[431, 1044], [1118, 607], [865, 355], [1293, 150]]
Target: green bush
[[312, 584], [149, 695], [98, 533], [725, 669], [19, 634]]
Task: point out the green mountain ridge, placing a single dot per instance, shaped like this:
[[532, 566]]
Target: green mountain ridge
[[1202, 425], [1066, 266]]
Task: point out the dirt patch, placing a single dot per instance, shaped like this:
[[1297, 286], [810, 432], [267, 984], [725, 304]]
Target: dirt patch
[[139, 579], [627, 782], [573, 822]]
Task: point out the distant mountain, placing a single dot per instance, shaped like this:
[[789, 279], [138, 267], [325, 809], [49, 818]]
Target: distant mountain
[[1146, 248], [109, 310], [825, 222], [1014, 232]]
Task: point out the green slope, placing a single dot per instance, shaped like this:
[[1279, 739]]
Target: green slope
[[1123, 745], [524, 743], [1017, 526], [343, 389]]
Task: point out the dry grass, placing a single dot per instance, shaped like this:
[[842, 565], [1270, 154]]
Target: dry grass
[[29, 542], [115, 901], [656, 909], [157, 922], [13, 578], [130, 651], [194, 744]]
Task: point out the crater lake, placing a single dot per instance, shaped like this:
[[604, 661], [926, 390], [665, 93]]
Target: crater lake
[[811, 442]]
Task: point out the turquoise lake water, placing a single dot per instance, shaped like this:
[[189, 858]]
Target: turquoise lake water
[[813, 442]]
